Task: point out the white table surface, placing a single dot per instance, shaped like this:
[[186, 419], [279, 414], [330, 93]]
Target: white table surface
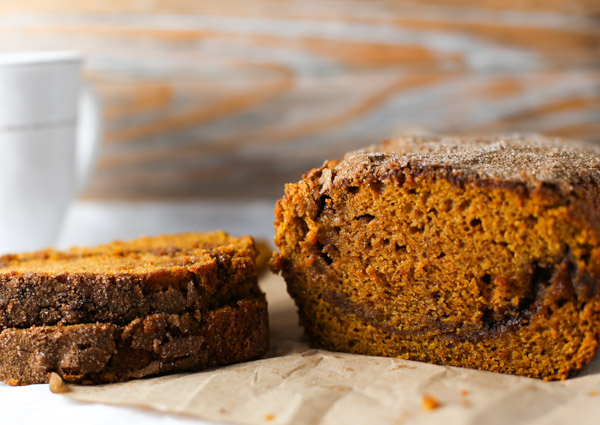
[[89, 223]]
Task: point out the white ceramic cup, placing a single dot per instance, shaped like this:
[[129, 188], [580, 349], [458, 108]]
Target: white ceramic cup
[[50, 129]]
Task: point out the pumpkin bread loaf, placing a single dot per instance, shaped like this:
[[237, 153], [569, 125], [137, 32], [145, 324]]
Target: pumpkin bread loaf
[[473, 252], [130, 309]]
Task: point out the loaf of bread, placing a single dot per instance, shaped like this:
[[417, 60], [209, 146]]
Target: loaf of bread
[[130, 309], [473, 252]]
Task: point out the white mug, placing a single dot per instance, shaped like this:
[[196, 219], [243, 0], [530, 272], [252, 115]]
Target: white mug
[[50, 129]]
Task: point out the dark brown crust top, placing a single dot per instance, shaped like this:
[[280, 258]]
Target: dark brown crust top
[[528, 161]]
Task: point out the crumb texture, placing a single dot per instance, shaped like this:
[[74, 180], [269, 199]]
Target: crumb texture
[[120, 281], [482, 253], [130, 309], [152, 345]]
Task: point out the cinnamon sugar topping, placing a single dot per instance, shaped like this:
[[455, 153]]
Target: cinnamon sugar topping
[[528, 160]]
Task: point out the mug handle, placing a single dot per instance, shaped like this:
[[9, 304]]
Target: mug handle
[[89, 136]]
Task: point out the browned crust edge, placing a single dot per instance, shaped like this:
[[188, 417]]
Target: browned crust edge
[[155, 344], [38, 299], [583, 200]]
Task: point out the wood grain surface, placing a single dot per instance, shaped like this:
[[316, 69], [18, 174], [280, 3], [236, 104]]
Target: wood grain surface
[[233, 99]]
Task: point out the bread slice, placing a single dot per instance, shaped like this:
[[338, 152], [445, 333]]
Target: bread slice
[[130, 309], [474, 252], [120, 281], [151, 345]]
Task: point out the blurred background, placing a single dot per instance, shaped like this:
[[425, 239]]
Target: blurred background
[[211, 106], [230, 100]]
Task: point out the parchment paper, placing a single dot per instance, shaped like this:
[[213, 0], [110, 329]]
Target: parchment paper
[[298, 385]]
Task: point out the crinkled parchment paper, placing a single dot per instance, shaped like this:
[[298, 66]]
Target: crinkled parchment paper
[[298, 385]]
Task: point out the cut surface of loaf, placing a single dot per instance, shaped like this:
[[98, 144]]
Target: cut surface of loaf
[[474, 252], [120, 281], [150, 345], [130, 309]]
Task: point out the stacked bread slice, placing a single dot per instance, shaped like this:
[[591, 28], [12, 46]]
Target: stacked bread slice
[[130, 309]]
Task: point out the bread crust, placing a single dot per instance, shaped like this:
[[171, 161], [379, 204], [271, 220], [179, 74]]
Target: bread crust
[[155, 344], [475, 252], [131, 309], [183, 273]]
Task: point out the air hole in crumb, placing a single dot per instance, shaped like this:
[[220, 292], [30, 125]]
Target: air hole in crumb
[[541, 274], [353, 190], [475, 222], [488, 316], [323, 203], [323, 254], [365, 218], [400, 247], [464, 205], [400, 179], [540, 278], [486, 278], [412, 191], [441, 255], [414, 229], [378, 187], [332, 251], [531, 219], [448, 205], [433, 211], [303, 227]]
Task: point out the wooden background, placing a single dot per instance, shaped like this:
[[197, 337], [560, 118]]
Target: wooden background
[[233, 99]]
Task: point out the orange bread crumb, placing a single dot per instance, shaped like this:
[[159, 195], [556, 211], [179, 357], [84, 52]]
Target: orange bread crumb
[[474, 252]]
